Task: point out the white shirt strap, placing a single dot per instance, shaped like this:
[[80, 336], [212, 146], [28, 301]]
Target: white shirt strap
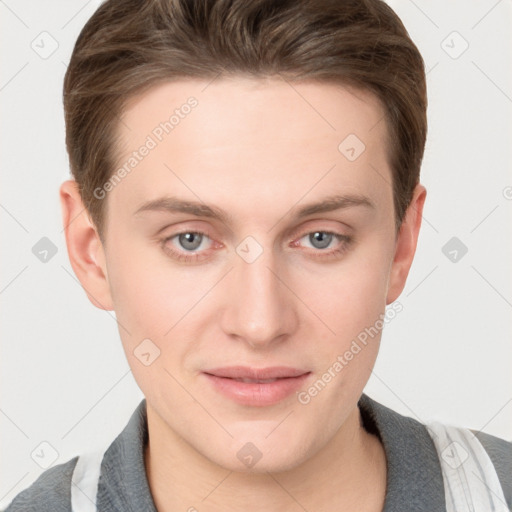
[[470, 480], [85, 479]]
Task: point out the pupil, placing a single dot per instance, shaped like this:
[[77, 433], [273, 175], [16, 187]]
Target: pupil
[[320, 239], [187, 240]]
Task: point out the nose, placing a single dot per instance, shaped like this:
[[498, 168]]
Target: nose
[[260, 307]]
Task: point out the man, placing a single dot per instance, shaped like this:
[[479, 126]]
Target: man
[[246, 198]]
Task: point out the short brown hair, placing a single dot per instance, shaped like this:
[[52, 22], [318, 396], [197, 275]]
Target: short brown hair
[[128, 46]]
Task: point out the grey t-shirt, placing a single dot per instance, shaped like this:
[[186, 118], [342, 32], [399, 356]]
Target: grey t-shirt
[[414, 478]]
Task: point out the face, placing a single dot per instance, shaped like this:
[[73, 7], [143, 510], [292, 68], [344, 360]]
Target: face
[[245, 251]]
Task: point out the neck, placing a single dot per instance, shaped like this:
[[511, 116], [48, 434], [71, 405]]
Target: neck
[[348, 473]]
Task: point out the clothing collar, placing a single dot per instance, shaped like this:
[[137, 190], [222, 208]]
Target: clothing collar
[[414, 478], [414, 475]]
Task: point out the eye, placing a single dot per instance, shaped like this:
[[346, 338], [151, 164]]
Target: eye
[[187, 246], [324, 239], [190, 241], [320, 239], [324, 243]]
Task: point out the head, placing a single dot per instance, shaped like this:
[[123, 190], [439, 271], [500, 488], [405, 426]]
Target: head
[[250, 178]]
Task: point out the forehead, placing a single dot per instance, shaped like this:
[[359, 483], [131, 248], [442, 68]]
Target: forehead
[[255, 107], [266, 137]]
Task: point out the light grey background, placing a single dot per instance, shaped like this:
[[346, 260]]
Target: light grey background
[[445, 357]]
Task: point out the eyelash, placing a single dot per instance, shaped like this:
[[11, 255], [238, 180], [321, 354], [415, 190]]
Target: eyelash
[[344, 239]]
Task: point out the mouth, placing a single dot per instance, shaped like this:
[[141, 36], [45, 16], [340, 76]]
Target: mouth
[[256, 386], [258, 381]]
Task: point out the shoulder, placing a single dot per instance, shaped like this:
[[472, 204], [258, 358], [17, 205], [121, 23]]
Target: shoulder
[[500, 453], [488, 466], [50, 492], [415, 462]]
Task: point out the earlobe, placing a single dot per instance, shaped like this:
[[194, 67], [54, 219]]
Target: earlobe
[[406, 243], [85, 250]]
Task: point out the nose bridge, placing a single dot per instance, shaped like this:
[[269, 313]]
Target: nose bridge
[[260, 308]]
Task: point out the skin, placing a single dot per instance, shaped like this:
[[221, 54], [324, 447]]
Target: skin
[[259, 151]]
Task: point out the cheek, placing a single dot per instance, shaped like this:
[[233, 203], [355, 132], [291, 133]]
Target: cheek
[[351, 295], [142, 300], [352, 303], [138, 292], [149, 293], [149, 301], [157, 300]]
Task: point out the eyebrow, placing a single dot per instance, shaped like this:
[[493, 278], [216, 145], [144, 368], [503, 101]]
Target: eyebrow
[[198, 209]]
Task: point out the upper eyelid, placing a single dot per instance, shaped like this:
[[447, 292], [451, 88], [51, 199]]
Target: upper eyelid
[[341, 236], [285, 232], [303, 233]]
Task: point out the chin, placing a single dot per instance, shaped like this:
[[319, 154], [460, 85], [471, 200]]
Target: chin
[[261, 455], [267, 464]]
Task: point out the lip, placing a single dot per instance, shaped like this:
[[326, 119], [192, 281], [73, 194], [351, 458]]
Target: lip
[[276, 383]]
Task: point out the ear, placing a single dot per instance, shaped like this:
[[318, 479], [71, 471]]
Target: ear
[[406, 242], [85, 249]]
